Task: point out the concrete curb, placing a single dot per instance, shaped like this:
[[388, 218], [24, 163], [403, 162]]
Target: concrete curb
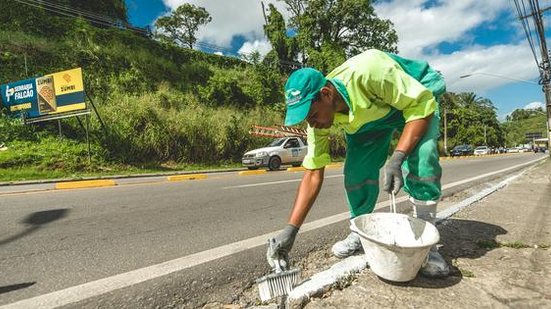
[[187, 177], [296, 169], [248, 173], [322, 282], [56, 180], [167, 174], [84, 184]]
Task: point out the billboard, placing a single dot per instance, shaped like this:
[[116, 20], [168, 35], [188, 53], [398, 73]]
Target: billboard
[[52, 94]]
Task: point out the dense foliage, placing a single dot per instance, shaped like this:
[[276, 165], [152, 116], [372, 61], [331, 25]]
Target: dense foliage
[[326, 32], [161, 103], [522, 121], [471, 120]]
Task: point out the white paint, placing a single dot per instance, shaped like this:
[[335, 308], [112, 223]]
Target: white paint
[[320, 282], [98, 287], [450, 211]]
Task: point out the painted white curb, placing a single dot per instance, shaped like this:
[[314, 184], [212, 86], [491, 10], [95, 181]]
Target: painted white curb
[[321, 282]]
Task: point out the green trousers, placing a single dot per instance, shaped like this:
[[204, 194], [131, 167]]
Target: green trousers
[[367, 152]]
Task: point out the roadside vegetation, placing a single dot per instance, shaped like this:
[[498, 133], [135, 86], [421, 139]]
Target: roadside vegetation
[[170, 107]]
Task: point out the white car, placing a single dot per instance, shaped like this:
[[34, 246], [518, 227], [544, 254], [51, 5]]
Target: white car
[[285, 150], [481, 150], [513, 150]]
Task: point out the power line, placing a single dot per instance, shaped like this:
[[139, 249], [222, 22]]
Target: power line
[[75, 10], [526, 27], [74, 13], [536, 13]]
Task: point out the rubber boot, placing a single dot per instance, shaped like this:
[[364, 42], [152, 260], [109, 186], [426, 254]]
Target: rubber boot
[[435, 266]]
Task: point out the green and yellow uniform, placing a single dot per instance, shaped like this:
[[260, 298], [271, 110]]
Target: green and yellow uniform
[[383, 92]]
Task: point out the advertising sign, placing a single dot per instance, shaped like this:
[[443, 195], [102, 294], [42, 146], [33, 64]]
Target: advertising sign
[[52, 94]]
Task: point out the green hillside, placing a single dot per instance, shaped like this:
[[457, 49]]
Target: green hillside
[[163, 106], [521, 122]]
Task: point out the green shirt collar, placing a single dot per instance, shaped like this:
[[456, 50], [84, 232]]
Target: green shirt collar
[[341, 88]]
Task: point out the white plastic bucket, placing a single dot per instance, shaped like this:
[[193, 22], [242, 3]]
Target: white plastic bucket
[[395, 245]]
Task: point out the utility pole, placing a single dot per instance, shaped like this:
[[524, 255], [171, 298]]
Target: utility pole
[[445, 130], [537, 14]]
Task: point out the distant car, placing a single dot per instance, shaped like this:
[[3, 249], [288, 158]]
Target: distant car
[[285, 150], [513, 150], [481, 150], [461, 150]]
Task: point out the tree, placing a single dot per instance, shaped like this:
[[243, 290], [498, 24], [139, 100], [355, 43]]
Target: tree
[[326, 28], [182, 24], [284, 47], [471, 120]]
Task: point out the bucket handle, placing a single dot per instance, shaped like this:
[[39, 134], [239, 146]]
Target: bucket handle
[[392, 200]]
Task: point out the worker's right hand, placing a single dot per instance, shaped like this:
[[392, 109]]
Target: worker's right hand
[[393, 173], [280, 246]]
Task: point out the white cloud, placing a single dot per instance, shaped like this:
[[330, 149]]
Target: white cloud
[[230, 18], [219, 53], [419, 27], [261, 46], [509, 60], [534, 105]]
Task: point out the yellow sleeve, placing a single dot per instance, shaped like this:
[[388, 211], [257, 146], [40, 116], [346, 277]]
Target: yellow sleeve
[[318, 149]]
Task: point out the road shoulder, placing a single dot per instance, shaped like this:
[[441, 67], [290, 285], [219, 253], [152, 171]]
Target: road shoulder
[[499, 248]]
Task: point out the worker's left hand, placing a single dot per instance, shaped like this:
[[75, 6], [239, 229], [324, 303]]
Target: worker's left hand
[[394, 180]]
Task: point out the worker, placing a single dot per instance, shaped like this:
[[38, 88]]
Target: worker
[[370, 96]]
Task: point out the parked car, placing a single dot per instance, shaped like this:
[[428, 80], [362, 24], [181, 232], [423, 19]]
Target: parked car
[[285, 150], [481, 150], [513, 150], [461, 150]]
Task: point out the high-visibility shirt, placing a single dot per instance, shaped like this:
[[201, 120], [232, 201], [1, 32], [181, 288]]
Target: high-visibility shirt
[[373, 84]]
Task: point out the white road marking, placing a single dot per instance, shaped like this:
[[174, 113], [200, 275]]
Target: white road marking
[[274, 182], [95, 288]]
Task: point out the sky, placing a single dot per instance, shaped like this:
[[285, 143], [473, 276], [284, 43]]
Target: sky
[[458, 38]]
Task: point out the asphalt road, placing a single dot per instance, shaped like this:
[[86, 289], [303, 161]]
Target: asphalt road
[[53, 240]]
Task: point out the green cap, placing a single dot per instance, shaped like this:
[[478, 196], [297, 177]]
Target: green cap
[[301, 88]]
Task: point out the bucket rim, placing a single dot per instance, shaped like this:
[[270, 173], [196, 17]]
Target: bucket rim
[[355, 228]]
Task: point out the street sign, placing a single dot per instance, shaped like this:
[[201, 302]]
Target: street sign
[[533, 135]]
